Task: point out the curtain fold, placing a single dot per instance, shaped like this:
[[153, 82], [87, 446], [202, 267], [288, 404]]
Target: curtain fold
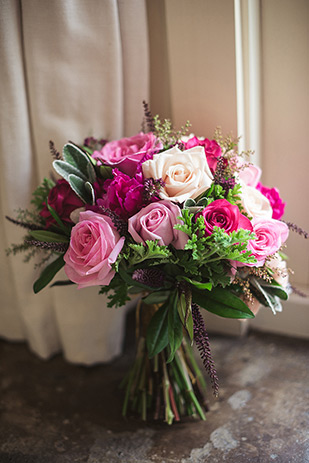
[[69, 70]]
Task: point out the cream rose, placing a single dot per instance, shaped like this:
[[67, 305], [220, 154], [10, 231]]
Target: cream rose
[[186, 174], [254, 202]]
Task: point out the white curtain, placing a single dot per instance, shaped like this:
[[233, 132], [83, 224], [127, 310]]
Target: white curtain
[[69, 69]]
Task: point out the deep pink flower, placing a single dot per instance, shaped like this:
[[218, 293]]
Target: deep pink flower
[[126, 153], [156, 222], [221, 213], [273, 195], [124, 195], [211, 147], [63, 200], [94, 246]]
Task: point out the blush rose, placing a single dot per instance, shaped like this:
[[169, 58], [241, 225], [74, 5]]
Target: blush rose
[[185, 174], [254, 202], [249, 174], [156, 222], [222, 214], [126, 153], [94, 246]]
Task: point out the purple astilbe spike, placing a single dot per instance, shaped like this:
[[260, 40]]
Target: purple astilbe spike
[[120, 224], [52, 246], [152, 188], [148, 117], [149, 276], [292, 226], [94, 143], [202, 342], [29, 226], [54, 152], [221, 176]]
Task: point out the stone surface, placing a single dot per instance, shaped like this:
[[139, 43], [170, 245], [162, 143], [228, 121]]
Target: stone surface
[[55, 412]]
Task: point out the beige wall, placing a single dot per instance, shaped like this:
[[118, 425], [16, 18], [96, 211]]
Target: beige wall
[[285, 116], [193, 63], [192, 68]]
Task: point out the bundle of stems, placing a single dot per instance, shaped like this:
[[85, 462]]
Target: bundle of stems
[[159, 390]]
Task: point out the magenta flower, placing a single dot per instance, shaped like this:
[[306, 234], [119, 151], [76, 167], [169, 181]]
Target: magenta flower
[[221, 213], [124, 195], [126, 153], [211, 147], [273, 195]]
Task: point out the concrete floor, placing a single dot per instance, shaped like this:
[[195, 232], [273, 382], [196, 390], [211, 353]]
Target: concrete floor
[[54, 412]]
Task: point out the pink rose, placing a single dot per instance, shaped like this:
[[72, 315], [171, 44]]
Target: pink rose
[[272, 194], [156, 222], [211, 147], [127, 152], [63, 200], [221, 213], [270, 235], [94, 246]]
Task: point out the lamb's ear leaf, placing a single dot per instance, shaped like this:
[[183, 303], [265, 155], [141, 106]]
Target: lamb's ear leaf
[[65, 169], [90, 190], [77, 158], [78, 186], [48, 274]]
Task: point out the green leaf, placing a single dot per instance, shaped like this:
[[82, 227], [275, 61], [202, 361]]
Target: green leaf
[[182, 311], [54, 214], [156, 297], [198, 284], [175, 327], [41, 193], [89, 188], [48, 274], [149, 250], [271, 300], [65, 169], [157, 332], [276, 290], [78, 185], [48, 236], [222, 302], [106, 172], [73, 155], [189, 203]]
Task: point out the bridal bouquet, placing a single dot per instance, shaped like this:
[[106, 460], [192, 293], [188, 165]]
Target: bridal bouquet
[[182, 221]]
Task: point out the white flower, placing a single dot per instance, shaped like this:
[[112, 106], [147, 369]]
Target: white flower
[[279, 267], [250, 175], [254, 202], [186, 174]]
